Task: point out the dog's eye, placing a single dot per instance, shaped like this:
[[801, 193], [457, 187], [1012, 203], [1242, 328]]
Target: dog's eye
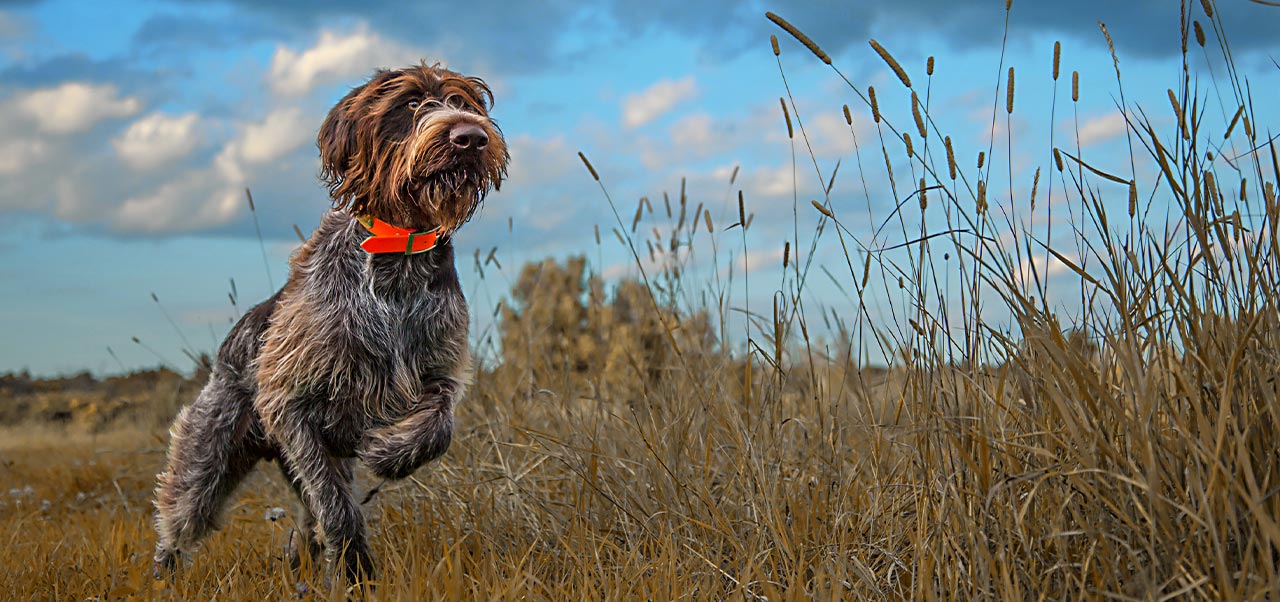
[[413, 105]]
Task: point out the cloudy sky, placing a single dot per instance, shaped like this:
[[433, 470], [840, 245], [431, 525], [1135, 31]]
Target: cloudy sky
[[131, 130]]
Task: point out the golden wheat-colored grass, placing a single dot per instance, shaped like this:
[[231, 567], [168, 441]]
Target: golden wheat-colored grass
[[621, 443]]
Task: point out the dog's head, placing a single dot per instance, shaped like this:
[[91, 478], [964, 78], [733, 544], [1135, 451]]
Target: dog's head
[[414, 147]]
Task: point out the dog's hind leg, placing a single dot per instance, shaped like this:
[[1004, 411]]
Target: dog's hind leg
[[211, 450]]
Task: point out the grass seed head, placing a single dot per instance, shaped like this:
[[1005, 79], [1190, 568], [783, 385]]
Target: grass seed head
[[875, 106], [823, 210], [786, 115], [595, 176], [1057, 58], [893, 63], [951, 157], [636, 220], [799, 36], [1234, 120], [1182, 116], [1035, 185], [1008, 102], [915, 114], [773, 41], [1111, 46]]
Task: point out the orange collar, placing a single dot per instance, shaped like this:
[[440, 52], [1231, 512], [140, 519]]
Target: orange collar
[[391, 239]]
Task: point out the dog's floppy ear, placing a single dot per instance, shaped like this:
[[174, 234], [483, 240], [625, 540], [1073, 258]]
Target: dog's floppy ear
[[339, 141], [337, 144]]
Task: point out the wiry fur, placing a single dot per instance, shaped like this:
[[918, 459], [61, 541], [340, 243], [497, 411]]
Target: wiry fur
[[358, 356]]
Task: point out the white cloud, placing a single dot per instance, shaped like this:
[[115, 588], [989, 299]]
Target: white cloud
[[71, 177], [279, 133], [542, 161], [656, 100], [195, 200], [697, 136], [696, 131], [830, 135], [1044, 266], [158, 139], [16, 154], [1101, 129], [75, 106], [757, 259], [777, 181], [334, 57]]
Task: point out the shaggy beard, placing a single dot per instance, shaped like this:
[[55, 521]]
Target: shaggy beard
[[444, 187], [452, 197]]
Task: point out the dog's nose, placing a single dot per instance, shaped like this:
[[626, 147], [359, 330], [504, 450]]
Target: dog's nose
[[468, 136]]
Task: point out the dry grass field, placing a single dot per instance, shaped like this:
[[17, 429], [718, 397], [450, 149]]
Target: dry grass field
[[620, 443]]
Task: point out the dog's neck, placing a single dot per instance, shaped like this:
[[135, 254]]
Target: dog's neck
[[386, 238]]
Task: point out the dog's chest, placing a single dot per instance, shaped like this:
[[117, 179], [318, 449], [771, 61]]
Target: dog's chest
[[417, 309], [410, 319], [371, 329], [392, 339]]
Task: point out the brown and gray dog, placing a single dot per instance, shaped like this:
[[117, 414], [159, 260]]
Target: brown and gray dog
[[363, 353]]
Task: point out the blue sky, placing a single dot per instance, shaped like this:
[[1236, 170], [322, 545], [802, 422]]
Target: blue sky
[[132, 128]]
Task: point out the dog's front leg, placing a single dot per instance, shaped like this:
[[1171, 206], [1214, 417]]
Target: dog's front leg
[[325, 481], [395, 451]]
